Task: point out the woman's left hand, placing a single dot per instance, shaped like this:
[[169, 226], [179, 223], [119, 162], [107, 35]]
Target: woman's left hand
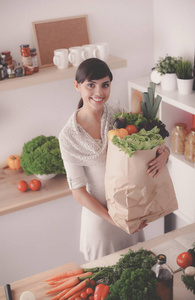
[[158, 163]]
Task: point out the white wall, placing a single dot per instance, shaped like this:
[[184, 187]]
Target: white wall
[[174, 28]]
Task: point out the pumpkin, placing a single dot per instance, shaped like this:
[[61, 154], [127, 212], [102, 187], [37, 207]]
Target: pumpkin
[[13, 162], [118, 132]]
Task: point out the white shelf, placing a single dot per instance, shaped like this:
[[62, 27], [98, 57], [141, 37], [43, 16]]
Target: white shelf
[[50, 74], [186, 103]]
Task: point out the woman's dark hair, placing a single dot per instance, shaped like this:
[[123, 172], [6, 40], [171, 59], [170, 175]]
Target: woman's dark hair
[[91, 69]]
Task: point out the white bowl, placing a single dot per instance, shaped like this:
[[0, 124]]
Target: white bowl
[[45, 176]]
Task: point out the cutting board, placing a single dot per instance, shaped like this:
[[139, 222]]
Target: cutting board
[[36, 284]]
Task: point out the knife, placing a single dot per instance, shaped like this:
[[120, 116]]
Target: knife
[[8, 292]]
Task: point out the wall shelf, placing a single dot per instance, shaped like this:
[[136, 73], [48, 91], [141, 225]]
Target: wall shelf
[[50, 74]]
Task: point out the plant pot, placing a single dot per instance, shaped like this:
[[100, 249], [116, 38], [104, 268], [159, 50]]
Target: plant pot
[[185, 86], [45, 176], [169, 82]]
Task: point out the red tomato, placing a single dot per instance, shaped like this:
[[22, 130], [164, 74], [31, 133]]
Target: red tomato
[[131, 129], [92, 282], [83, 295], [89, 291], [22, 186], [184, 260], [91, 297], [35, 184]]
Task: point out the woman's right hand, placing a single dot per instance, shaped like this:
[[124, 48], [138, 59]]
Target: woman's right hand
[[141, 226]]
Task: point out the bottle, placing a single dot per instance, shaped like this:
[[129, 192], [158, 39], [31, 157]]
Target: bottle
[[164, 276], [34, 57], [179, 133], [190, 146]]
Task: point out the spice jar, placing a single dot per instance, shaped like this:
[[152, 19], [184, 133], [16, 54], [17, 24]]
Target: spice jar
[[10, 71], [26, 59], [34, 58], [179, 133], [7, 58], [25, 50], [190, 146], [164, 276], [2, 76]]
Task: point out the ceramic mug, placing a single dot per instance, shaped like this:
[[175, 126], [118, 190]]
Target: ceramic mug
[[60, 58], [88, 51], [76, 55], [102, 51]]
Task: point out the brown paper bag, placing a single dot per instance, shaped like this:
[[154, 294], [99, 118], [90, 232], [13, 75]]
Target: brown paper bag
[[132, 195]]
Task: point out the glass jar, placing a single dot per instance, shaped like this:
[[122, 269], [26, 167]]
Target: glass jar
[[164, 276], [179, 133], [34, 57], [7, 58], [25, 50], [2, 75], [190, 146], [10, 71]]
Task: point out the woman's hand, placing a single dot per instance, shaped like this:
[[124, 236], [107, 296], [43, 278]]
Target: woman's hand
[[158, 163], [143, 224]]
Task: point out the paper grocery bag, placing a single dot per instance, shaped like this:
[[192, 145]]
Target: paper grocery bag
[[132, 195]]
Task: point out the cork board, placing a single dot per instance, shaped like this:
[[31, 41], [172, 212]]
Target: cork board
[[59, 33]]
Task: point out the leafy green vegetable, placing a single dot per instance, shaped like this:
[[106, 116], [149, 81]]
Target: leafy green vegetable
[[139, 284], [141, 259], [150, 105], [42, 155], [149, 124], [143, 140], [189, 282], [132, 119]]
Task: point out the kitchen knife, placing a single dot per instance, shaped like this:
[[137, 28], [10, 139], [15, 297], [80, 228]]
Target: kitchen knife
[[8, 292]]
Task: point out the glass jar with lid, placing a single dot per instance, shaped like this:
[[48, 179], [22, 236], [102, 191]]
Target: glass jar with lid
[[190, 146], [179, 133]]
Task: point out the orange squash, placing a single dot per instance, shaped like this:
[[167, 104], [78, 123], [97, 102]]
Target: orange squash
[[118, 132], [13, 162]]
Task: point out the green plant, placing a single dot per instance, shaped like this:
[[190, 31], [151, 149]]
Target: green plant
[[184, 69], [150, 105], [42, 155], [166, 65]]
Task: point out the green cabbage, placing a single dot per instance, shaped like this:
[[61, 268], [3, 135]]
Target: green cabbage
[[42, 155]]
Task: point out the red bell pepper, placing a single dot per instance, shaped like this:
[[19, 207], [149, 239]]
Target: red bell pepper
[[101, 291]]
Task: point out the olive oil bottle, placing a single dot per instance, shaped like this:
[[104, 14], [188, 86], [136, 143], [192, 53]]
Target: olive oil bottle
[[164, 275]]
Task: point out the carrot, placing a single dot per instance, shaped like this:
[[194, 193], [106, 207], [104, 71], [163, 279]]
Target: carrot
[[80, 276], [73, 297], [76, 289], [59, 295], [65, 285], [66, 274]]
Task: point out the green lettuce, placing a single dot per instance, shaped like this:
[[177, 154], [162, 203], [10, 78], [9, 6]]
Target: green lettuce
[[143, 140]]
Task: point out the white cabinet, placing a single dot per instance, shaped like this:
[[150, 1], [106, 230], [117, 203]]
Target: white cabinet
[[175, 108]]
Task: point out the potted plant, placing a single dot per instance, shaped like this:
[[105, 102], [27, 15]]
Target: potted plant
[[41, 156], [167, 68], [184, 76]]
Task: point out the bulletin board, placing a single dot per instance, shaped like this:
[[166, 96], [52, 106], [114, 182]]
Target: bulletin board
[[59, 33]]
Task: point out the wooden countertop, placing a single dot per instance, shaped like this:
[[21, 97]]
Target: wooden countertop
[[12, 200], [37, 285]]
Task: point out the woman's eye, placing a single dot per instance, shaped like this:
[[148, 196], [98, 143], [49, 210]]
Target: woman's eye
[[90, 85], [105, 85]]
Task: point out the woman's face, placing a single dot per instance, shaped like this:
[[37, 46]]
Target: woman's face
[[95, 92]]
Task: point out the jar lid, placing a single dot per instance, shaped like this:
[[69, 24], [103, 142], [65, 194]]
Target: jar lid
[[181, 125], [6, 52], [161, 258], [32, 50], [24, 46]]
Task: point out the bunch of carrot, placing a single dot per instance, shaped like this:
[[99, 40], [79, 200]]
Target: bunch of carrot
[[68, 285]]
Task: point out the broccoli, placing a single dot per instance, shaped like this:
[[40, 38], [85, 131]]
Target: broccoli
[[42, 155]]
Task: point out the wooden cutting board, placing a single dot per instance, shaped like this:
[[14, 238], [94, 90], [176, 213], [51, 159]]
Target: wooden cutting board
[[36, 284]]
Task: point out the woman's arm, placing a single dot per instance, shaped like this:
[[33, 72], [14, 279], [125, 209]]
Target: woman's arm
[[158, 163]]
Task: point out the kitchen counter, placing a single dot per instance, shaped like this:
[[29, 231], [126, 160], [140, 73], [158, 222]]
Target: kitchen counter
[[37, 285], [12, 200]]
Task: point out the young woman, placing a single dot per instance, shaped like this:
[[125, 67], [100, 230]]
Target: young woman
[[83, 144]]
